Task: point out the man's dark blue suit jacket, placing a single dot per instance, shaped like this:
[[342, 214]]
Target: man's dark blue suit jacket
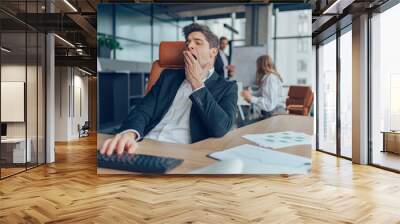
[[213, 108]]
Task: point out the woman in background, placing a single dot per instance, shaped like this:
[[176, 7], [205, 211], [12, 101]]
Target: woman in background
[[269, 82]]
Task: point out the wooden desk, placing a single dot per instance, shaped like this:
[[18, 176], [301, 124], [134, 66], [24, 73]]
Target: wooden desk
[[14, 148], [195, 155], [391, 141]]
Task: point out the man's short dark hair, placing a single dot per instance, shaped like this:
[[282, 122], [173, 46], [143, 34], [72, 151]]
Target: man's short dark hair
[[195, 27], [222, 38]]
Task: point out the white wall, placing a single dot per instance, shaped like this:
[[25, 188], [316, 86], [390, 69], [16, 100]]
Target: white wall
[[17, 73], [61, 103], [80, 83], [14, 72], [67, 115], [33, 127]]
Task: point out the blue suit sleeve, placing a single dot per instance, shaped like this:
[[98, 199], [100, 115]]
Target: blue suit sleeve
[[139, 117], [217, 116]]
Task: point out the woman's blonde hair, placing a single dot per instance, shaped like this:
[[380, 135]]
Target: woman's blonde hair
[[265, 66]]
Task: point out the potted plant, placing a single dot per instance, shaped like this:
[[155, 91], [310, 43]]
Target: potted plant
[[105, 45]]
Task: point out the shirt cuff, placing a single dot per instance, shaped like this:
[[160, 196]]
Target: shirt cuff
[[253, 99], [134, 131], [198, 88]]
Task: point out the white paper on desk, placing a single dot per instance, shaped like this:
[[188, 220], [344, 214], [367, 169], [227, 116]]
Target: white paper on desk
[[257, 160], [241, 101], [279, 139]]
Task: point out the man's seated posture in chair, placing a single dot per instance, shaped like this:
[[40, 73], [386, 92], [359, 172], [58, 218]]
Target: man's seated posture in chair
[[185, 105]]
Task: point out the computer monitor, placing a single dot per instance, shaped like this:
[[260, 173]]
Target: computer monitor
[[3, 129]]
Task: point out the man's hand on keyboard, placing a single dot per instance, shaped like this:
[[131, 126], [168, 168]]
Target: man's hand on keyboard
[[120, 143]]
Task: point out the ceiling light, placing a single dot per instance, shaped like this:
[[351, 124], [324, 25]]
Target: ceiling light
[[5, 50], [84, 71], [329, 9], [65, 41], [79, 51], [338, 6], [70, 5]]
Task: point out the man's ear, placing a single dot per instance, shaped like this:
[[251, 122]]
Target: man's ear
[[213, 52]]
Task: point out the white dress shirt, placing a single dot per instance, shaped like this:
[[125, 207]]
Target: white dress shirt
[[225, 62], [174, 126], [269, 96]]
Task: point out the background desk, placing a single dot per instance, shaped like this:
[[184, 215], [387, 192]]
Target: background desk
[[391, 141], [13, 150], [195, 155]]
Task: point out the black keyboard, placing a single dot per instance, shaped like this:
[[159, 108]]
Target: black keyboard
[[137, 162]]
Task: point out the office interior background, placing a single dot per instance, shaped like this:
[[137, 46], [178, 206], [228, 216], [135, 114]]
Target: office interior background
[[282, 31], [356, 83], [331, 64], [56, 64], [48, 82], [23, 79], [30, 53]]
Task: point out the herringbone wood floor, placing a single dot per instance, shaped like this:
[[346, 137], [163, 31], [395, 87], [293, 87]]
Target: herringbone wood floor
[[70, 191]]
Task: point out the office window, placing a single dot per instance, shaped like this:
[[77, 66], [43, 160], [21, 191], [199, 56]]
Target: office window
[[138, 37], [133, 32], [327, 97], [182, 23], [301, 65], [346, 94], [385, 88], [240, 25], [394, 102], [303, 23], [164, 30], [217, 26], [132, 23], [293, 46], [156, 52], [303, 45], [104, 19], [134, 51], [302, 26], [292, 64]]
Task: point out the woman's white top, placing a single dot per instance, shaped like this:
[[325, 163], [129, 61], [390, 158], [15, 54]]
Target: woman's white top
[[269, 95]]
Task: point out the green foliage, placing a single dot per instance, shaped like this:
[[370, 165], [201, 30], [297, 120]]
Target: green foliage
[[104, 40]]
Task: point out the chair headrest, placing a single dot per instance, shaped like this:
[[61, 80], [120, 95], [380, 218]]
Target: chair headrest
[[171, 55], [299, 91]]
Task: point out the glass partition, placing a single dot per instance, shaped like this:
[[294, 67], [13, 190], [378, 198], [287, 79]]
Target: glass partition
[[327, 97], [14, 153], [346, 94], [385, 89], [31, 99], [22, 93]]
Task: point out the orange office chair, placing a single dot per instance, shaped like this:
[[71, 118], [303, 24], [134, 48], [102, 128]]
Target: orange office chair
[[300, 100], [170, 56]]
